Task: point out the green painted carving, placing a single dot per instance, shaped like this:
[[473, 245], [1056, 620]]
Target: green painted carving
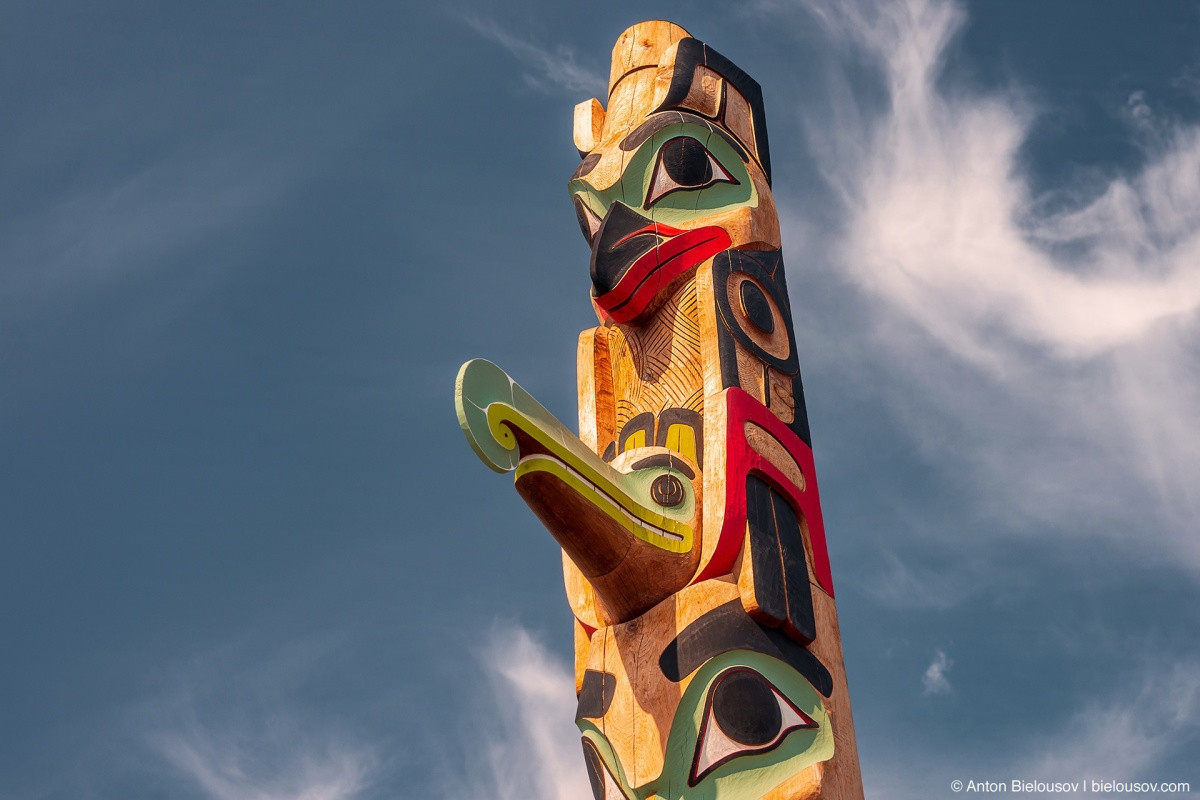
[[512, 432], [742, 776], [680, 207]]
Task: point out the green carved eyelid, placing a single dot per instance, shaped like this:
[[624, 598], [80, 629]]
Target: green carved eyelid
[[635, 181], [663, 184], [796, 750], [721, 741]]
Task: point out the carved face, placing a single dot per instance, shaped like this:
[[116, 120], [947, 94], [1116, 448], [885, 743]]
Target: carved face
[[725, 697], [673, 185], [672, 182], [687, 508]]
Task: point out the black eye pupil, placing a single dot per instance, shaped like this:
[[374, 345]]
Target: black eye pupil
[[687, 162], [667, 490], [745, 707], [757, 307]]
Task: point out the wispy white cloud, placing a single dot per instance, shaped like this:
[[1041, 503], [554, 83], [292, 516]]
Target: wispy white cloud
[[1188, 80], [905, 583], [546, 67], [1042, 343], [225, 727], [531, 748], [941, 217], [934, 680], [226, 767], [1142, 721], [1128, 734]]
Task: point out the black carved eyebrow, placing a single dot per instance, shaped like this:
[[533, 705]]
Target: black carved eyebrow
[[587, 165], [596, 695], [665, 460], [691, 53], [667, 118], [728, 627], [682, 416]]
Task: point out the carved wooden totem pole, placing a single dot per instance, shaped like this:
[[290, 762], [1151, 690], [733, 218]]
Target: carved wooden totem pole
[[707, 654]]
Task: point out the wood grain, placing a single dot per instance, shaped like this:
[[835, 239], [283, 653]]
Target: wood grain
[[691, 418]]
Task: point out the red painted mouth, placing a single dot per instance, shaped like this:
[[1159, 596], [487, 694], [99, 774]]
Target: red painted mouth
[[646, 277]]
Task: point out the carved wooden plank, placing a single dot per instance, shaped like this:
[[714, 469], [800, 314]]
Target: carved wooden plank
[[708, 654]]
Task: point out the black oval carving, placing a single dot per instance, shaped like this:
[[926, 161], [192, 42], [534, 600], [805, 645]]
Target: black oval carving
[[687, 162], [667, 490], [757, 307], [745, 707], [587, 165]]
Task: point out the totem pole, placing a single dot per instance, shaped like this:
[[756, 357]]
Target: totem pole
[[708, 660]]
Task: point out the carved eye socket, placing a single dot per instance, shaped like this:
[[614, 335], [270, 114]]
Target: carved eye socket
[[684, 163], [667, 490], [604, 786], [745, 715]]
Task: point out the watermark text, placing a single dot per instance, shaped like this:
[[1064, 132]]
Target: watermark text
[[1084, 786]]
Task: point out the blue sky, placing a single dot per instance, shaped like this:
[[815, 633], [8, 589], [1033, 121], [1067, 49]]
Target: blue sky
[[246, 552]]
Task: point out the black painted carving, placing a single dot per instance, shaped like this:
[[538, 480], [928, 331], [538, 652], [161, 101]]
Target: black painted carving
[[757, 307], [665, 460], [587, 165], [667, 490], [584, 217], [686, 161], [769, 588], [595, 769], [745, 708], [684, 165], [728, 627], [766, 267], [777, 557], [666, 119], [596, 695], [613, 248], [682, 416], [752, 716], [643, 422], [692, 53]]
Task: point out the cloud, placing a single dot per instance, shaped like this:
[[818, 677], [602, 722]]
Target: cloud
[[942, 219], [1128, 735], [935, 680], [531, 748], [546, 67], [226, 767], [918, 583], [1042, 344], [1145, 721], [228, 727]]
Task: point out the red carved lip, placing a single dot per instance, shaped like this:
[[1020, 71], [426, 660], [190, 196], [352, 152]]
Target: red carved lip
[[674, 255]]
